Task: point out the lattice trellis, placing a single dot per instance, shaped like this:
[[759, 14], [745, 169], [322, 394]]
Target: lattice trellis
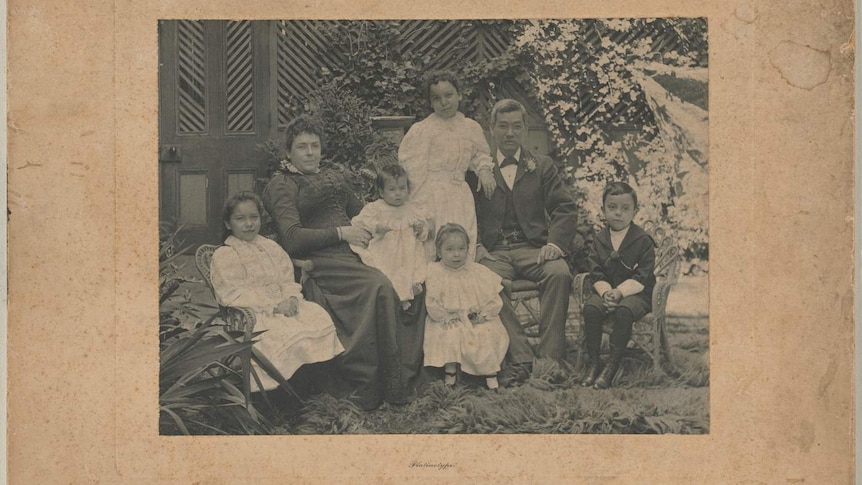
[[303, 52], [447, 42], [191, 77], [239, 62]]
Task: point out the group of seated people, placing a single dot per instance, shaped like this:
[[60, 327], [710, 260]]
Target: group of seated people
[[415, 278]]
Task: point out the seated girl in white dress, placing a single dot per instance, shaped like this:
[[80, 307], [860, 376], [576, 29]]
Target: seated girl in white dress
[[255, 272], [399, 228], [463, 303]]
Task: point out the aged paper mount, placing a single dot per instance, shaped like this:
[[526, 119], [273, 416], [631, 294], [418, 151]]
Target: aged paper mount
[[83, 195]]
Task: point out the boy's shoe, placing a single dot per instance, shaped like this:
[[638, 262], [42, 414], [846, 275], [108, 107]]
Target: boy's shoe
[[515, 374]]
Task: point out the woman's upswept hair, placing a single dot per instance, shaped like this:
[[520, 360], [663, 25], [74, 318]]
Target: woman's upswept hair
[[435, 77], [619, 188], [301, 125]]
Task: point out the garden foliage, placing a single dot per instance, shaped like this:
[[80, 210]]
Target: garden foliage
[[586, 77], [204, 371]]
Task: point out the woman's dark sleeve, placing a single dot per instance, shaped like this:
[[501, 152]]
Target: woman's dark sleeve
[[280, 197], [354, 204]]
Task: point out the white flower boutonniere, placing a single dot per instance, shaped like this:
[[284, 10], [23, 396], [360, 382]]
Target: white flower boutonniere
[[531, 165]]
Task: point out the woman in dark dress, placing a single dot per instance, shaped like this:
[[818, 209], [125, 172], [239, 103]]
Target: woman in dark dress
[[312, 208]]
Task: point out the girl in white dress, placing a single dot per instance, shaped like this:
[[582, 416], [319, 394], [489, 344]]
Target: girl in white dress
[[255, 272], [399, 228], [437, 152], [463, 302]]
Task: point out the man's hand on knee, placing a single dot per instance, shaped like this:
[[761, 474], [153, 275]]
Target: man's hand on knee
[[548, 252], [482, 253]]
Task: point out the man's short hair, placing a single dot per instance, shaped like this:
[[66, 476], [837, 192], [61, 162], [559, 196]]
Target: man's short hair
[[507, 106]]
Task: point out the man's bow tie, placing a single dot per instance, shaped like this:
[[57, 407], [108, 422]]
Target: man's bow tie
[[508, 161]]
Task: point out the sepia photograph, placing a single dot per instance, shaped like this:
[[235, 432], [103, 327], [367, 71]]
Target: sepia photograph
[[433, 226]]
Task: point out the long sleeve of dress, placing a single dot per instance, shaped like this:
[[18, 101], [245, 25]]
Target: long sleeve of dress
[[233, 287], [491, 308], [287, 283], [413, 155], [436, 311], [354, 205], [366, 218], [280, 198], [479, 148]]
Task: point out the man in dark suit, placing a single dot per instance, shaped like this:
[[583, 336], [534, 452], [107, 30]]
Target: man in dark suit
[[525, 228]]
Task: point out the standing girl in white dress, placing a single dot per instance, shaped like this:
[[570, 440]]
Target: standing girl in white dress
[[438, 151], [463, 302], [399, 227], [255, 272]]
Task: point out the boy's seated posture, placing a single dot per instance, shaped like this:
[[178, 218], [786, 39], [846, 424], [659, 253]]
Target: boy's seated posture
[[622, 261]]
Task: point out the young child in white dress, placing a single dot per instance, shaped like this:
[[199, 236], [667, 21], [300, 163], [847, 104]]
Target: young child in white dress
[[437, 152], [463, 301], [255, 272], [399, 228]]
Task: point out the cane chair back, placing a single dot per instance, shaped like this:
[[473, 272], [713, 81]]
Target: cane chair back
[[649, 334]]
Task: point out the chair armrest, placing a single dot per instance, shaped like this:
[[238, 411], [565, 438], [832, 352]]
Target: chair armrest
[[580, 288], [239, 318]]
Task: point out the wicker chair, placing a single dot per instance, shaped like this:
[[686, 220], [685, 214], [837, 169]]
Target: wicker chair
[[649, 334], [238, 318], [241, 318]]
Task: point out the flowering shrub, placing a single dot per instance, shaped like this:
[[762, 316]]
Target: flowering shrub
[[589, 78]]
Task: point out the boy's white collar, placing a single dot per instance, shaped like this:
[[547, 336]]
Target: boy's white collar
[[621, 231]]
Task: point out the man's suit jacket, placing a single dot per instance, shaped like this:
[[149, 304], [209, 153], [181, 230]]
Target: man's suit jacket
[[544, 207]]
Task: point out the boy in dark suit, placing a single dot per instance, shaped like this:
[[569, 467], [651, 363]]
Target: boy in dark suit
[[622, 262], [525, 227]]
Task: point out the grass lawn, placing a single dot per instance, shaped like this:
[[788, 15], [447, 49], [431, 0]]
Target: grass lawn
[[551, 401]]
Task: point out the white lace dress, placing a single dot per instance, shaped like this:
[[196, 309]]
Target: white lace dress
[[397, 253], [436, 153], [451, 295], [258, 274]]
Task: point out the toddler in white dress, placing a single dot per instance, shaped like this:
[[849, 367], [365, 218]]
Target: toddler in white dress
[[399, 228], [463, 300]]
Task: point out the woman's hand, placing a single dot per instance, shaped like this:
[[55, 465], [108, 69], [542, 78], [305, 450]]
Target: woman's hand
[[355, 236], [288, 308], [487, 183]]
